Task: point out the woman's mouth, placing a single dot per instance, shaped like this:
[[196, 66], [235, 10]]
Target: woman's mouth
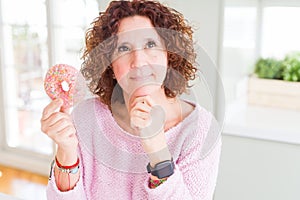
[[141, 78]]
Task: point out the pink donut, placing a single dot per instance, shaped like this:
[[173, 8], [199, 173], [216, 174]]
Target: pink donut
[[60, 82]]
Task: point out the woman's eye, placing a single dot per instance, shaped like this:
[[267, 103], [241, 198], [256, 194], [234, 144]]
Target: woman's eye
[[150, 44], [123, 49]]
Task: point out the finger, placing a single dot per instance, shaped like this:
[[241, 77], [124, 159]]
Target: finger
[[57, 127], [136, 100], [141, 114], [63, 122], [139, 100], [148, 100], [68, 131], [139, 123], [51, 108], [65, 134], [50, 121], [143, 99], [55, 117], [141, 107]]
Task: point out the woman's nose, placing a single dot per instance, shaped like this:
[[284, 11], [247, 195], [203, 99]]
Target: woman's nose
[[138, 58]]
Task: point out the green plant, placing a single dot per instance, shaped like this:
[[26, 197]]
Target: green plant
[[269, 68], [287, 69], [292, 67]]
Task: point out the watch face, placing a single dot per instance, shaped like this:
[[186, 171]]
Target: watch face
[[163, 165], [163, 169]]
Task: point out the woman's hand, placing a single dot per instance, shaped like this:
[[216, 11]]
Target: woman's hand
[[139, 110], [57, 124], [153, 138]]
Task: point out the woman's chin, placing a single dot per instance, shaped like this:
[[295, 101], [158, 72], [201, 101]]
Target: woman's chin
[[146, 90]]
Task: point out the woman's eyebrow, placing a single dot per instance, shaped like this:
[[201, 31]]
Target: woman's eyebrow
[[151, 38], [154, 38], [122, 43], [144, 39]]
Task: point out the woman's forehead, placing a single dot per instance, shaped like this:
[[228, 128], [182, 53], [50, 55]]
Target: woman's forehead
[[133, 23], [138, 35]]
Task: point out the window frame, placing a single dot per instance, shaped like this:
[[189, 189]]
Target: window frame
[[18, 157]]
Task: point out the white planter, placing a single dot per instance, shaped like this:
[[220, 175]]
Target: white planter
[[274, 93]]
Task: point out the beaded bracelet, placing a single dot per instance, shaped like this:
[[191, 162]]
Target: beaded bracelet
[[155, 183]]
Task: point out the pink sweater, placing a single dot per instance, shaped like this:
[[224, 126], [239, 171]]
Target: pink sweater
[[113, 164]]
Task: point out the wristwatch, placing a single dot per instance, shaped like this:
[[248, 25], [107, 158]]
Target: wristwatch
[[162, 169]]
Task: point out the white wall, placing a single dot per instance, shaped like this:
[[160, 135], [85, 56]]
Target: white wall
[[204, 16], [253, 169]]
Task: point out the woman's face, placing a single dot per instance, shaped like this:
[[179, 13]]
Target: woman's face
[[140, 59]]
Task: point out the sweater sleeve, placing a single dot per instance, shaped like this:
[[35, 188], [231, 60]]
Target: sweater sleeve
[[194, 177], [77, 192]]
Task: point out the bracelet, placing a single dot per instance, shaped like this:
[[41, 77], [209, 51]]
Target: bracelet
[[154, 183], [73, 169], [51, 169]]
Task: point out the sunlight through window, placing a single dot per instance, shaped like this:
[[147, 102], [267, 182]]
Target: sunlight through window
[[26, 36], [281, 31]]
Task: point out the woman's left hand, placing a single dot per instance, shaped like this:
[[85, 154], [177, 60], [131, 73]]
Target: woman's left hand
[[154, 144], [140, 112]]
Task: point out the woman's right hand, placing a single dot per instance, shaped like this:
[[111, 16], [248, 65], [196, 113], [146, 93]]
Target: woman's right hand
[[58, 125]]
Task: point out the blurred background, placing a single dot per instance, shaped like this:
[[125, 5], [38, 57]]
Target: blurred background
[[254, 43]]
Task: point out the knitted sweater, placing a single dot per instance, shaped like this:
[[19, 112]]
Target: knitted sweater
[[113, 163]]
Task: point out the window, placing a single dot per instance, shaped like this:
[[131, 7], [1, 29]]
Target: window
[[35, 35], [253, 29], [239, 45], [276, 26], [25, 56]]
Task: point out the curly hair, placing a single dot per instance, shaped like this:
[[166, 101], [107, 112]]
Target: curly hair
[[101, 41]]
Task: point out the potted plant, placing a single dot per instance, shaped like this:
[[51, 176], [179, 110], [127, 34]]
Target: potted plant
[[276, 83], [292, 67]]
